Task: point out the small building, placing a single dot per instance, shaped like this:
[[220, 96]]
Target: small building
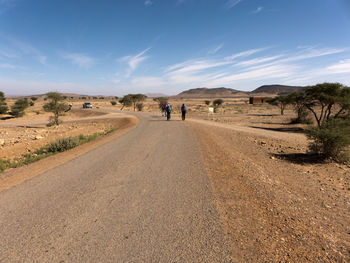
[[258, 100]]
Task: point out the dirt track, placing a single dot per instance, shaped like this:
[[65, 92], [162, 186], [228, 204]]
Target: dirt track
[[276, 209]]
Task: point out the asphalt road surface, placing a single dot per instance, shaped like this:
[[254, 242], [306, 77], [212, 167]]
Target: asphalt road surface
[[143, 197]]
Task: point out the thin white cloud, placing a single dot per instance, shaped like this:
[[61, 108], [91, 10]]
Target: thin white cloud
[[148, 3], [313, 53], [255, 61], [232, 3], [23, 48], [81, 60], [246, 53], [215, 50], [134, 61], [195, 66], [258, 10], [342, 67]]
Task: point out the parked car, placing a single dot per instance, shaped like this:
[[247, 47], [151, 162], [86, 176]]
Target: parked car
[[87, 105]]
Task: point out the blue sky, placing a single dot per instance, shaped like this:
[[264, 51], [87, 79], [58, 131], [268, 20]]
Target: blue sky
[[117, 47]]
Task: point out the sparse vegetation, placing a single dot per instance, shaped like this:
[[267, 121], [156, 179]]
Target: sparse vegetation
[[125, 101], [17, 109], [217, 103], [331, 139], [331, 136], [33, 98], [298, 101], [322, 99], [56, 106], [139, 106], [3, 104], [279, 101], [161, 101], [113, 103], [137, 98], [55, 147], [207, 102]]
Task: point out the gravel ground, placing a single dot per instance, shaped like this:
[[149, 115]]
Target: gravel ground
[[276, 207]]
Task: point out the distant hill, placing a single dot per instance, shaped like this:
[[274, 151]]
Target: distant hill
[[211, 93], [156, 95], [277, 89]]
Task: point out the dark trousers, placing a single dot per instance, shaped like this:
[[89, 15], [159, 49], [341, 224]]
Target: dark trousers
[[168, 115], [183, 115]]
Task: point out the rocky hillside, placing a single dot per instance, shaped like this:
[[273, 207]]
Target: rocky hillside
[[211, 93], [277, 89]]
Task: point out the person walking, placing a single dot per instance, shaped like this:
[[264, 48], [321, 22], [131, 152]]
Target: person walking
[[168, 112], [164, 109], [183, 111]]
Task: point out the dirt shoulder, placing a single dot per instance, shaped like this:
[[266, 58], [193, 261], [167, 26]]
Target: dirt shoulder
[[276, 207], [122, 123]]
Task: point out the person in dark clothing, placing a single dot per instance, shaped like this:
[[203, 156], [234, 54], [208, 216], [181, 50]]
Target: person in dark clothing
[[168, 111], [183, 111]]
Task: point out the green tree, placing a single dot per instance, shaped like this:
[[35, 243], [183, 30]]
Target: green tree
[[207, 102], [137, 98], [3, 104], [218, 102], [297, 99], [56, 105], [17, 109], [125, 101], [33, 98], [113, 102], [330, 105], [139, 106], [279, 101], [161, 101], [322, 100]]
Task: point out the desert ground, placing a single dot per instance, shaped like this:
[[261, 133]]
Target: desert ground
[[275, 200]]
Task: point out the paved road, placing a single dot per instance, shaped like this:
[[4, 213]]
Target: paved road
[[143, 197]]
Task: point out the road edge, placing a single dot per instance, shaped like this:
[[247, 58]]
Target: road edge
[[13, 177]]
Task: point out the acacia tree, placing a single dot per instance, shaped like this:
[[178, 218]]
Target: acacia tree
[[125, 101], [297, 99], [56, 105], [280, 101], [330, 105], [17, 109], [3, 104], [161, 101], [322, 99], [136, 99]]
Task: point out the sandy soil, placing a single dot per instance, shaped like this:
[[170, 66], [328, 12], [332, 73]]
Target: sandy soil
[[277, 204], [24, 135], [16, 176]]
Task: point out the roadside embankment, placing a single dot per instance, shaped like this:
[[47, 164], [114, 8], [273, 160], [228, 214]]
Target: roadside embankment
[[121, 123]]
